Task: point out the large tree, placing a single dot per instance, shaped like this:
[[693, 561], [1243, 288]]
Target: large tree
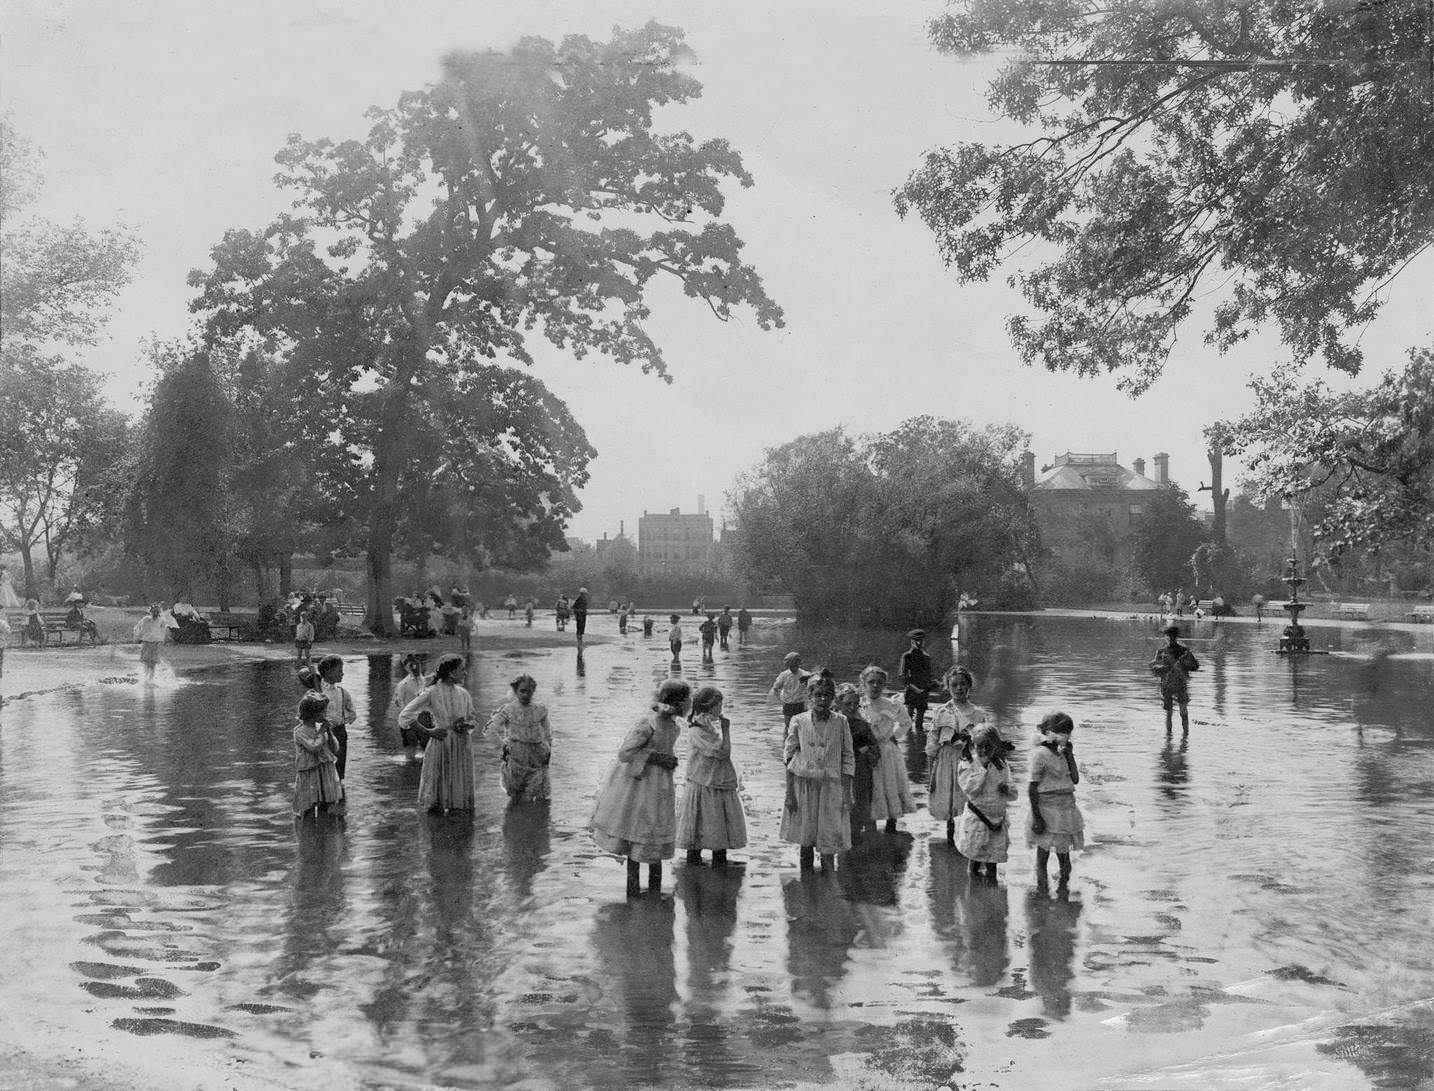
[[889, 528], [526, 191], [58, 437], [1279, 153], [1165, 539]]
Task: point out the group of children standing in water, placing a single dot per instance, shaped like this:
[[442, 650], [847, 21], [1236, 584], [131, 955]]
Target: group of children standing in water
[[841, 753]]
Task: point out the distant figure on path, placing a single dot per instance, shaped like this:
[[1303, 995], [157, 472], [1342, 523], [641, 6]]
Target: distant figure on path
[[151, 631], [744, 624], [303, 639], [580, 613], [674, 636], [724, 627], [1173, 664], [1259, 603], [915, 673], [511, 604]]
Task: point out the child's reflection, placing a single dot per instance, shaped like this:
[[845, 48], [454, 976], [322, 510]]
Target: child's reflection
[[1050, 931], [527, 840], [821, 926], [633, 941], [970, 916], [709, 899]]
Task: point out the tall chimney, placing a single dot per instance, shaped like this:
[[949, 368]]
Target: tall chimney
[[1028, 469], [701, 504], [1162, 468], [1139, 465]]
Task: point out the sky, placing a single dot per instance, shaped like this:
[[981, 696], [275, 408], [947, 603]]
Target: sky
[[164, 115]]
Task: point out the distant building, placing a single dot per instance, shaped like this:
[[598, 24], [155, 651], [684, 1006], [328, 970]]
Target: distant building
[[675, 544], [1088, 505]]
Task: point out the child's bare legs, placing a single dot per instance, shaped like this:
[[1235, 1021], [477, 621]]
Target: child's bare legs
[[1184, 719], [654, 878], [634, 878], [1064, 859], [1043, 861]]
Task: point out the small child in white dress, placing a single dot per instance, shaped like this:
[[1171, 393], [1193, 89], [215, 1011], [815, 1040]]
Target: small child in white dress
[[711, 813]]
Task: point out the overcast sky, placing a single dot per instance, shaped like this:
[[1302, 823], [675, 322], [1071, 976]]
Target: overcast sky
[[165, 116]]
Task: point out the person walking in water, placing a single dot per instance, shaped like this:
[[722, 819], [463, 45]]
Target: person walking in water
[[790, 690], [580, 613], [724, 627], [915, 672], [744, 625], [151, 631], [1173, 664]]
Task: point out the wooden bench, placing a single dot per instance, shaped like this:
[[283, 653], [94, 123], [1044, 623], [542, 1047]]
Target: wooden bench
[[56, 628], [232, 625], [1421, 613], [1356, 610], [351, 609]]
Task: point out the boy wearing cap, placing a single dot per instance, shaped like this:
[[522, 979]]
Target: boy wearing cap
[[790, 690], [915, 674], [1173, 664]]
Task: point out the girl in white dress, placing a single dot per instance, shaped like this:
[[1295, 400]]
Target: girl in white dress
[[982, 833], [635, 814], [947, 743], [820, 769], [527, 740], [711, 813], [1055, 823], [890, 791], [443, 714]]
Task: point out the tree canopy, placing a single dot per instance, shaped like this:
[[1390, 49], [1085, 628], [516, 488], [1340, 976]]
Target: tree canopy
[[886, 529], [525, 192], [1278, 154], [1165, 540], [59, 440]]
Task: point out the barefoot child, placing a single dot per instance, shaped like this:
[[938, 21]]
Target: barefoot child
[[820, 768], [316, 781], [948, 742], [674, 636], [1173, 664], [303, 639], [1055, 823], [982, 835], [443, 714], [527, 742], [711, 816], [410, 685], [866, 754], [790, 690], [890, 792], [635, 815]]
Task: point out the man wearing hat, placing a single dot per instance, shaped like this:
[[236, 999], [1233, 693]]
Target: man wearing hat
[[915, 673], [1173, 664]]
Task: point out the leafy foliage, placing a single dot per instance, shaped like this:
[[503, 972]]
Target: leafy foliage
[[1276, 152], [1165, 539], [888, 528], [1359, 464], [526, 192]]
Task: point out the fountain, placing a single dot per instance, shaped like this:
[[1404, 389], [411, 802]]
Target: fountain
[[1294, 641]]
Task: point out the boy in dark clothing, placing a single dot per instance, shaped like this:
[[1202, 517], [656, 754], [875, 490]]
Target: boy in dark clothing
[[915, 674], [1173, 664]]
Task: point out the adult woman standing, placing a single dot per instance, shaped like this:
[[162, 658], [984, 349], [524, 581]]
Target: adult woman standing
[[443, 714], [890, 793]]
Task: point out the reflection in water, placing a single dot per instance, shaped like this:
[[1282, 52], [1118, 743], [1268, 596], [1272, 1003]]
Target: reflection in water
[[633, 942], [821, 926], [316, 904], [527, 840], [969, 915], [1174, 770], [709, 898], [453, 952], [1050, 941]]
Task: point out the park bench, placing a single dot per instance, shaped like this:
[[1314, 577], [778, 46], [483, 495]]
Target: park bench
[[1356, 610], [351, 609], [1421, 613], [55, 626], [230, 624]]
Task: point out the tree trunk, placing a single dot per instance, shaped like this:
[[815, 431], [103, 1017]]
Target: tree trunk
[[1218, 496], [286, 576], [388, 450], [31, 590], [257, 571]]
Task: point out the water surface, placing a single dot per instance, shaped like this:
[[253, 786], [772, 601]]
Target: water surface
[[1253, 909]]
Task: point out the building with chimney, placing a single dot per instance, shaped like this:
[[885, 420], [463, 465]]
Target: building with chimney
[[676, 544], [1088, 505]]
